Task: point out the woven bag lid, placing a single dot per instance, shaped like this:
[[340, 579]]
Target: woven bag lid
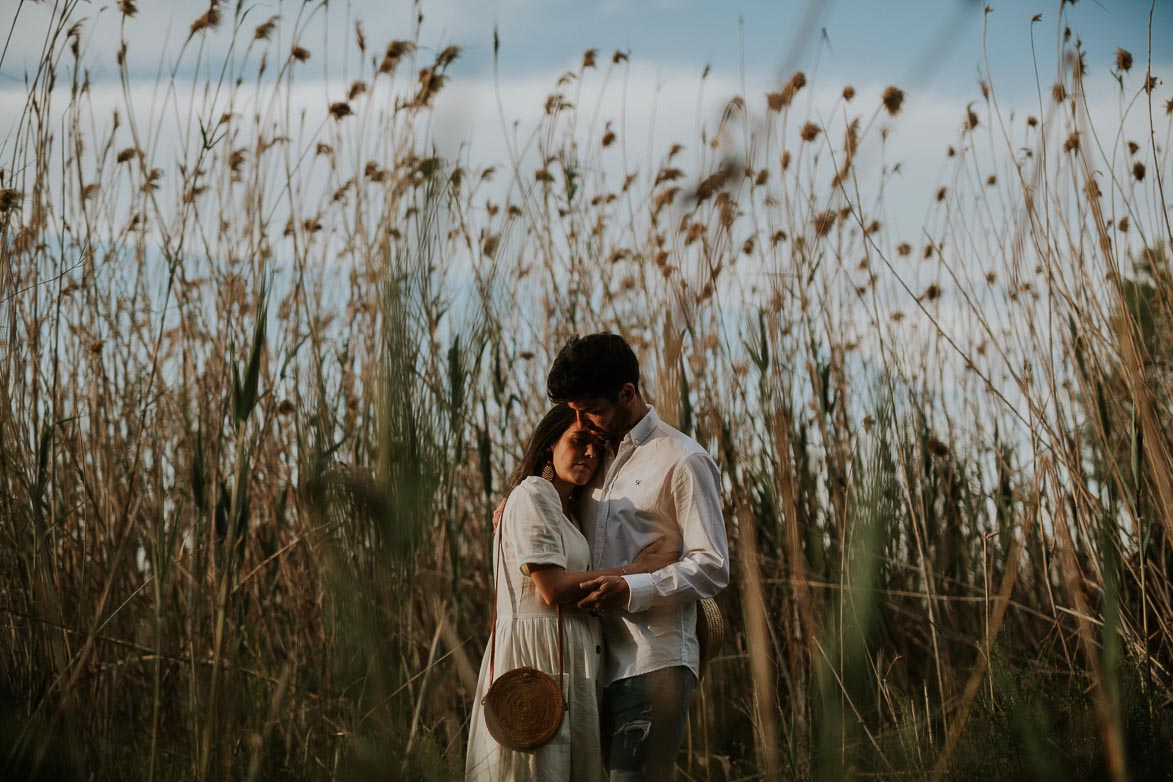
[[524, 709]]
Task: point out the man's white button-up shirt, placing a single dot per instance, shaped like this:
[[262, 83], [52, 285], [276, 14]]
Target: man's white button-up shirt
[[660, 482]]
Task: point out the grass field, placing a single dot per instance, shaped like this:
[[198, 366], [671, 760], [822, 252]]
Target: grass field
[[266, 367]]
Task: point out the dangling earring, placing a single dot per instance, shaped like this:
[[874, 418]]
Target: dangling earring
[[548, 472]]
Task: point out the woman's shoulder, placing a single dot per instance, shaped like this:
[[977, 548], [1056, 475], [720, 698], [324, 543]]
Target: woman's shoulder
[[535, 496], [535, 488], [533, 501]]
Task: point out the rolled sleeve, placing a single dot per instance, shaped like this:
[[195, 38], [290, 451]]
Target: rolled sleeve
[[532, 525], [703, 569]]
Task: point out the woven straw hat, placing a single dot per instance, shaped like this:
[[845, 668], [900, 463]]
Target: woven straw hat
[[710, 630]]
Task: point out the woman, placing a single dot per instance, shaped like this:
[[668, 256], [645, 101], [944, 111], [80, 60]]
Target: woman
[[545, 560]]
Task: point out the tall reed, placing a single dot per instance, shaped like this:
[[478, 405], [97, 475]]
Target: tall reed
[[267, 363]]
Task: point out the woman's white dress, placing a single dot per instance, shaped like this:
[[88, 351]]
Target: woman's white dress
[[536, 531]]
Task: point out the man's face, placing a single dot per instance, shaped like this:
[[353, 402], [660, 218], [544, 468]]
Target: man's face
[[601, 417]]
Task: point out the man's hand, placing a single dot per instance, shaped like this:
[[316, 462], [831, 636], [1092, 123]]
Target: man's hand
[[651, 558], [607, 593]]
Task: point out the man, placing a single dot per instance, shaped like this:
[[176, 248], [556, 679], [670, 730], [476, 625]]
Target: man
[[654, 482]]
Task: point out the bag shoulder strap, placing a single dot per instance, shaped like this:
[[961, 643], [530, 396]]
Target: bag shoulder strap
[[493, 629], [496, 581]]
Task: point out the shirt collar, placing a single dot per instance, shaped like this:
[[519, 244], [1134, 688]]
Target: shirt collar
[[642, 431]]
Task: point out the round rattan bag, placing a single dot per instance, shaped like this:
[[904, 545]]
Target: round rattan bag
[[524, 708]]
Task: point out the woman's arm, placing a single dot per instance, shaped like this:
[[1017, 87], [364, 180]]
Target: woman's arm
[[555, 585]]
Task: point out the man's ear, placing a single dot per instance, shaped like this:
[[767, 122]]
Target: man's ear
[[627, 393]]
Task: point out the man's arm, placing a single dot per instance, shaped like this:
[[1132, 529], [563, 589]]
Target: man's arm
[[703, 571]]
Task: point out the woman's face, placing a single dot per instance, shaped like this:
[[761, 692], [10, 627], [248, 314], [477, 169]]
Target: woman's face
[[576, 455]]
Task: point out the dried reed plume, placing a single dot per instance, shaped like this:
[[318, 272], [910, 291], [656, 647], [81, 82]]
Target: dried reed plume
[[265, 29], [893, 99], [776, 101], [9, 200], [1123, 61], [209, 21], [396, 50]]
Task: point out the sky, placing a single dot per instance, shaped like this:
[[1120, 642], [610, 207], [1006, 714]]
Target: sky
[[915, 43], [935, 50], [930, 48]]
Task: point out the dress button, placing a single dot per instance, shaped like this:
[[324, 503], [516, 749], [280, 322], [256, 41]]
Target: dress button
[[598, 649]]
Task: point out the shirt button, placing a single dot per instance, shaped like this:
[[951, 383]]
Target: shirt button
[[598, 649]]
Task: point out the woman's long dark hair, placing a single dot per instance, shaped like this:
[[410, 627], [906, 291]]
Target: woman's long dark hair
[[540, 444]]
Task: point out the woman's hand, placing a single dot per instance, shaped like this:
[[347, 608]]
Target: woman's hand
[[605, 593], [652, 558]]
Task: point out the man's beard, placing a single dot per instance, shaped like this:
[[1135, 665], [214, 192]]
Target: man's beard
[[619, 426]]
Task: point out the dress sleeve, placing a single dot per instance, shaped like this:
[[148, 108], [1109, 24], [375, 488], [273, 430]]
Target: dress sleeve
[[532, 519]]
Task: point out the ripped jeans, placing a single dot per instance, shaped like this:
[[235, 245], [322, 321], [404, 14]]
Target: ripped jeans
[[643, 723]]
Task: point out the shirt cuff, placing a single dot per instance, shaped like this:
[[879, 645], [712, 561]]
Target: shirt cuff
[[640, 590]]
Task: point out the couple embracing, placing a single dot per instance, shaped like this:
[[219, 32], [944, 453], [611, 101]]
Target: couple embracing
[[611, 531]]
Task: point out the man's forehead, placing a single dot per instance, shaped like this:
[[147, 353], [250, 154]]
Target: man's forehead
[[583, 434], [580, 430], [588, 404]]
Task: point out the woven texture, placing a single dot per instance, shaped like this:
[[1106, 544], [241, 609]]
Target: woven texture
[[710, 630], [524, 709]]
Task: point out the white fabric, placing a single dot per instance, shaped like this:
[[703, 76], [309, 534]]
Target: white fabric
[[536, 531], [660, 482]]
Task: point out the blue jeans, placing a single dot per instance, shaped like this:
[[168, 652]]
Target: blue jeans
[[643, 723]]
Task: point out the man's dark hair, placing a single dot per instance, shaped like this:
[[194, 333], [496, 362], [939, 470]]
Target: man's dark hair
[[594, 366]]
